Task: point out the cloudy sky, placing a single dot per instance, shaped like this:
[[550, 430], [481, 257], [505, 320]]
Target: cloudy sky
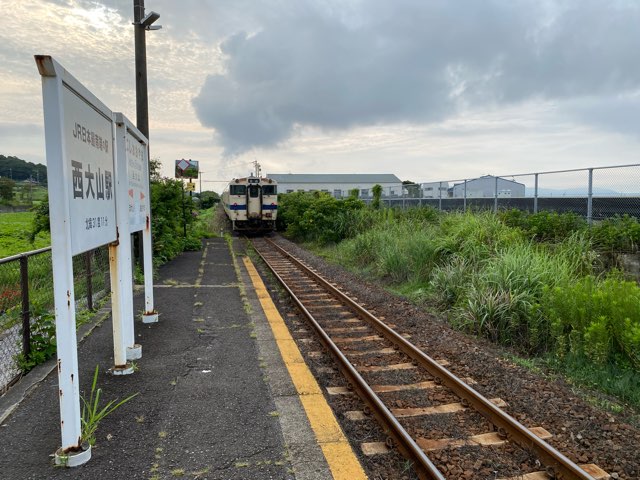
[[425, 89]]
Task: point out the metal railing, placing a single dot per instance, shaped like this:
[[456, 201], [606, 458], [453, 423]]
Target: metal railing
[[594, 193], [26, 298]]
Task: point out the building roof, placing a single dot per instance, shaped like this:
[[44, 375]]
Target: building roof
[[489, 177], [334, 178]]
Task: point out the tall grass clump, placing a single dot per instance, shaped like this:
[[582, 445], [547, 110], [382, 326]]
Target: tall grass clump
[[503, 296], [474, 236]]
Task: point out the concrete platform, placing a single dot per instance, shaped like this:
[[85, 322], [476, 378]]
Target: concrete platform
[[215, 399]]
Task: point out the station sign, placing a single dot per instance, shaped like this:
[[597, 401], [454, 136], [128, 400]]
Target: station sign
[[79, 138], [137, 158], [88, 171]]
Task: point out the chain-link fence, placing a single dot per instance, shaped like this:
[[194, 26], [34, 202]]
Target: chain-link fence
[[594, 193], [27, 305]]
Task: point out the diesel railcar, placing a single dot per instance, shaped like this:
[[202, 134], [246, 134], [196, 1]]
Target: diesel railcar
[[251, 204]]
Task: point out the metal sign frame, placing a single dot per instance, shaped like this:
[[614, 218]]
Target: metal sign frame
[[68, 105]]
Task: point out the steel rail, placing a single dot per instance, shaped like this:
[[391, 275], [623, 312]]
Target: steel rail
[[407, 446], [515, 431]]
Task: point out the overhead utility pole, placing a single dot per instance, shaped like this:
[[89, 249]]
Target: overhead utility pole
[[142, 23]]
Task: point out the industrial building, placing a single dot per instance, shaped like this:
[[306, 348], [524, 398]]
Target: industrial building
[[435, 190], [338, 184], [485, 187]]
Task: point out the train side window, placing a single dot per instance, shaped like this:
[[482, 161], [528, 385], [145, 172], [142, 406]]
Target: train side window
[[237, 189], [269, 190], [254, 191]]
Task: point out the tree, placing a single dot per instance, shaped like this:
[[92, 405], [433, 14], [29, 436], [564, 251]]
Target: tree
[[6, 188], [354, 193], [40, 220], [208, 199], [413, 189], [19, 170], [377, 194]]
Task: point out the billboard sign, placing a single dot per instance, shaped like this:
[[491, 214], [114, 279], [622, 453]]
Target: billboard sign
[[186, 168]]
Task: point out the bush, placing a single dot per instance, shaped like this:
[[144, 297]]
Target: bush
[[544, 226], [597, 319], [169, 212], [617, 234], [316, 217]]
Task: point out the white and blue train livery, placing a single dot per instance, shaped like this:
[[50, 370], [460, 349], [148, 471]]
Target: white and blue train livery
[[251, 204]]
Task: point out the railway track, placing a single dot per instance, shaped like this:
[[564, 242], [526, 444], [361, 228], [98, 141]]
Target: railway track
[[425, 409]]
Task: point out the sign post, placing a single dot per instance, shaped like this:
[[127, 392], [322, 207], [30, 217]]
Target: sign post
[[186, 169], [120, 256], [80, 160]]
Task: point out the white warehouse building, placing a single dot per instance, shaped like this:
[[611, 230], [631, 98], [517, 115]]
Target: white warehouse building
[[435, 189], [485, 187], [338, 184]]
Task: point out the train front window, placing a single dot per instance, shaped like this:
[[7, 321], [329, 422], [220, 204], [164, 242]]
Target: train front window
[[269, 190], [238, 190], [254, 191]]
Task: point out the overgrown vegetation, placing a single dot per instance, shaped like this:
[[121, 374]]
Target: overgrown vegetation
[[177, 225], [539, 283], [16, 234]]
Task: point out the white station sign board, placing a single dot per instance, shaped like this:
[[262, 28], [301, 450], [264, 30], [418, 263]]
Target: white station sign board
[[88, 171], [137, 174]]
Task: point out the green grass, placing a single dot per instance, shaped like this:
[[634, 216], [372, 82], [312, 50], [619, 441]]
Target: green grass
[[501, 282], [14, 234]]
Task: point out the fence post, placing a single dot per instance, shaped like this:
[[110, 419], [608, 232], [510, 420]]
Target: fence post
[[535, 195], [465, 196], [590, 198], [495, 197], [26, 325], [87, 267]]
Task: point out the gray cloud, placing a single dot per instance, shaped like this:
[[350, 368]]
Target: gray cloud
[[617, 114], [13, 130], [322, 64]]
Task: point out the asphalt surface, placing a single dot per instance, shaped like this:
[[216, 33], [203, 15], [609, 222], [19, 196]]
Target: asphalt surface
[[213, 399]]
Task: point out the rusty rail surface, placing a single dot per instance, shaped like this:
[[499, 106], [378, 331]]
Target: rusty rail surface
[[562, 467]]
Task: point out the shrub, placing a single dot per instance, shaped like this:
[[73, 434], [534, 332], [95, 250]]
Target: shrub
[[617, 234], [42, 341], [316, 217], [544, 226], [598, 319]]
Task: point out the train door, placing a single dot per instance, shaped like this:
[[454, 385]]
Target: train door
[[254, 202]]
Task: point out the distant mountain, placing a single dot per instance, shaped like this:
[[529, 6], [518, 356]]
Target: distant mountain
[[570, 192], [19, 170]]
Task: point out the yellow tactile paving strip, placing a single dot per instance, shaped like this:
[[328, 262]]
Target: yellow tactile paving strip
[[342, 461]]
